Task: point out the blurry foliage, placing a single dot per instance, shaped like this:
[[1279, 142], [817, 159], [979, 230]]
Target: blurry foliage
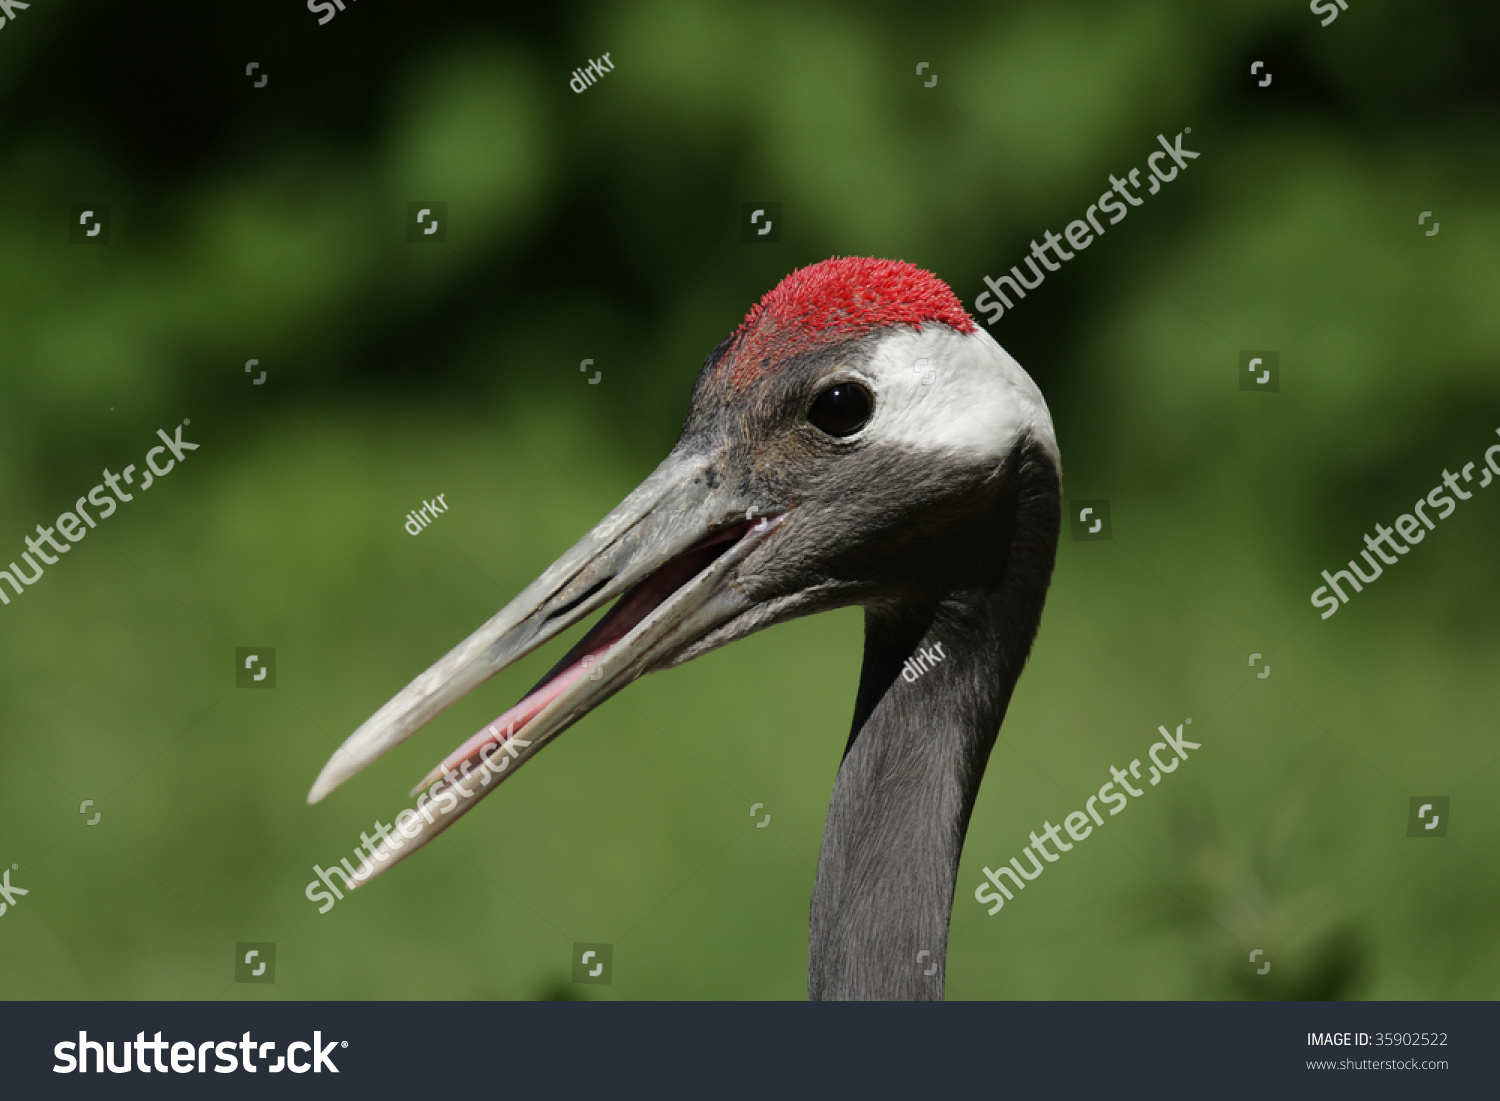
[[269, 224]]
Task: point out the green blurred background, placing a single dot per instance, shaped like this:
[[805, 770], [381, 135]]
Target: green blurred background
[[269, 224]]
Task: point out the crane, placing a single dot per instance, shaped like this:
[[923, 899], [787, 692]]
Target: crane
[[857, 440]]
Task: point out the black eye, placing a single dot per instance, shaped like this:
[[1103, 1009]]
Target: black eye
[[842, 410]]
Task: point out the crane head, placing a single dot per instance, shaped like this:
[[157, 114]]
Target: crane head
[[841, 435]]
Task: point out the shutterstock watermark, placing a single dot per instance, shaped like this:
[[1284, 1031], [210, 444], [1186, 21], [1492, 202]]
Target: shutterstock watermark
[[1408, 528], [1080, 233], [408, 823], [325, 10], [9, 891], [1165, 756], [8, 9], [1330, 8], [190, 1057], [71, 525]]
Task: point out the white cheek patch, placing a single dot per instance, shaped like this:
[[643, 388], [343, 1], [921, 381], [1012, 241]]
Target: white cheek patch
[[941, 390]]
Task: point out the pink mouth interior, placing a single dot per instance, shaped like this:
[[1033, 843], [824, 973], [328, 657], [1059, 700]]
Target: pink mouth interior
[[634, 606]]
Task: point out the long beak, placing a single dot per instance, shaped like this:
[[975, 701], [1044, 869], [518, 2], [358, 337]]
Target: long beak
[[666, 550]]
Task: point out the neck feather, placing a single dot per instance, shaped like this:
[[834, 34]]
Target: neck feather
[[939, 668]]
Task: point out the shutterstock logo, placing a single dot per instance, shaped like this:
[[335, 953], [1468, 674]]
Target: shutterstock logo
[[188, 1057], [90, 222], [1427, 816], [593, 963], [1260, 370], [760, 222], [255, 962], [1091, 520], [255, 667], [426, 222]]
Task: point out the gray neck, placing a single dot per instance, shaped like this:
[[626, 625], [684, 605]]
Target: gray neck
[[901, 803]]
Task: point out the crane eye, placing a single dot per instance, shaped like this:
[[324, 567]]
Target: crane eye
[[842, 410]]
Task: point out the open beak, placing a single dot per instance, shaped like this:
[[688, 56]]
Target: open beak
[[669, 551]]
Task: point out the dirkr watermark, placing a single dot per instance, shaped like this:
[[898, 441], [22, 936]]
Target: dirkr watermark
[[596, 70], [418, 519], [923, 660]]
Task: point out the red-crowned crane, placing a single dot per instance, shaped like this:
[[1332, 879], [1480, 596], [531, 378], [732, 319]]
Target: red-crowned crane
[[857, 440]]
